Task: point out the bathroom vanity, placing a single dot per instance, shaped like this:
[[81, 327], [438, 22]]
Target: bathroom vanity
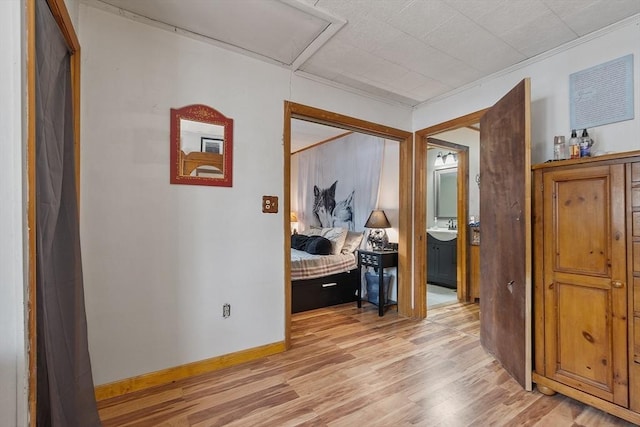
[[442, 257]]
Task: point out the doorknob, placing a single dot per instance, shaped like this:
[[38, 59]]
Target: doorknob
[[617, 284]]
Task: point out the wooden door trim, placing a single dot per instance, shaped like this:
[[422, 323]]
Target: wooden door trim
[[294, 110], [420, 207], [63, 19]]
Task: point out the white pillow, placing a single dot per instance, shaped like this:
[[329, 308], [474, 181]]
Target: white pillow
[[336, 235], [352, 242]]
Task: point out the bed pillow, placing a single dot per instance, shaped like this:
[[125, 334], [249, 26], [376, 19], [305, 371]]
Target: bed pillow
[[352, 242], [299, 241], [318, 245], [337, 235], [315, 245]]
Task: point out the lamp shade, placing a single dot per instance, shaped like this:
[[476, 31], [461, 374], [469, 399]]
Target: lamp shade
[[377, 219], [439, 160], [450, 159]]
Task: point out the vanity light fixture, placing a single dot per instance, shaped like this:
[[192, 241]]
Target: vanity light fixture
[[439, 160], [450, 159]]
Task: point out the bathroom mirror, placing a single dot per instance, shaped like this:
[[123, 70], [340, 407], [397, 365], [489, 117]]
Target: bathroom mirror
[[201, 146], [446, 191]]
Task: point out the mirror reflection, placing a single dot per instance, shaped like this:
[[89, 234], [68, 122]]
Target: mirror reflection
[[202, 149], [446, 190], [201, 146]]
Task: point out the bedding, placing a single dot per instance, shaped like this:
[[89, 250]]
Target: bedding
[[324, 280], [308, 266]]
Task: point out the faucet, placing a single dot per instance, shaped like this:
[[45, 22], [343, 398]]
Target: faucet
[[451, 225]]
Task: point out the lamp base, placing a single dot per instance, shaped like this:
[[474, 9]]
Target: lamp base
[[378, 239]]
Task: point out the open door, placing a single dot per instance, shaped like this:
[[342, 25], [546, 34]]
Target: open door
[[505, 244]]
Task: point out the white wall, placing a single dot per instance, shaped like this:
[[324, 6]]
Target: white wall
[[462, 136], [13, 375], [159, 259], [550, 93], [389, 196], [73, 7]]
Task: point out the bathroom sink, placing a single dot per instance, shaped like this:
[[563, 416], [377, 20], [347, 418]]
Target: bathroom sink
[[442, 233]]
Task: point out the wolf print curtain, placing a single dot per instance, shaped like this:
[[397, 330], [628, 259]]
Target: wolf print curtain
[[338, 182]]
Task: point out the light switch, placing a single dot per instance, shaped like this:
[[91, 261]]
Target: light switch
[[269, 204]]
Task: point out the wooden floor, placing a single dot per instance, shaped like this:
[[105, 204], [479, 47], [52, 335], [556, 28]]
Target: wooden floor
[[349, 367]]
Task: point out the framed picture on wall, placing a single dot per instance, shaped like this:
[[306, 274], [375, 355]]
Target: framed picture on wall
[[211, 145]]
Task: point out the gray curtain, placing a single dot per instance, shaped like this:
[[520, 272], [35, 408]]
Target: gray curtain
[[65, 386]]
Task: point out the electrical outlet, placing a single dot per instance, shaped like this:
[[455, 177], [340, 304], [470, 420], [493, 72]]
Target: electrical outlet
[[269, 204], [226, 310]]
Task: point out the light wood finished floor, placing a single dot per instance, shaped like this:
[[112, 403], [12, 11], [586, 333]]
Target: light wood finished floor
[[349, 367]]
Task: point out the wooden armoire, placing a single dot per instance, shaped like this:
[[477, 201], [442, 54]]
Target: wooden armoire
[[587, 281]]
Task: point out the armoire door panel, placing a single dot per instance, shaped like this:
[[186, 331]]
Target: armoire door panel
[[636, 224], [636, 296], [586, 299], [636, 340], [635, 196], [584, 340], [577, 208], [635, 171]]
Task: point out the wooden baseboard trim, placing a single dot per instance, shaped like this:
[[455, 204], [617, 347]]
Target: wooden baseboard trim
[[588, 399], [166, 376]]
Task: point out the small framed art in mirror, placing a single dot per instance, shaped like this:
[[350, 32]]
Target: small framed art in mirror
[[201, 146]]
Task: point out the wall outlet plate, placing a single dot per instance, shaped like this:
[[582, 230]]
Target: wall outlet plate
[[269, 204]]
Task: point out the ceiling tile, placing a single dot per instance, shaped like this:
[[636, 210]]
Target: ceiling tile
[[285, 31], [421, 17], [511, 15], [382, 10], [549, 31], [367, 33], [599, 14], [475, 8]]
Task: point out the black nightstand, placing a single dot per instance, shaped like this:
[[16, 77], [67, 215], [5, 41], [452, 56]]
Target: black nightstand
[[379, 260]]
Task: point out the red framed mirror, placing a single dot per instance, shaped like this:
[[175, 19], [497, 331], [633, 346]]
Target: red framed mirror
[[201, 146]]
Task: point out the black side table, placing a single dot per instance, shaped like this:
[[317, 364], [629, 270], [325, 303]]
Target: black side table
[[379, 260]]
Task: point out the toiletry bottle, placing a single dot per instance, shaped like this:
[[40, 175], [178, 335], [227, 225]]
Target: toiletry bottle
[[585, 144], [574, 145], [559, 148]]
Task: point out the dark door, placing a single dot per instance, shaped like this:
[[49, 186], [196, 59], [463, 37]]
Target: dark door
[[505, 224]]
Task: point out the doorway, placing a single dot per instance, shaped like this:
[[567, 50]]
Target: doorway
[[446, 189], [302, 112], [422, 222]]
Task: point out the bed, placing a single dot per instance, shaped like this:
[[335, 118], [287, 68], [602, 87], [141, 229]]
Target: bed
[[322, 280]]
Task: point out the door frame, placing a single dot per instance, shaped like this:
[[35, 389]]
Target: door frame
[[294, 110], [420, 211]]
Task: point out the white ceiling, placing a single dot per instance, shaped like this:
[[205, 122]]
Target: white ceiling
[[405, 51]]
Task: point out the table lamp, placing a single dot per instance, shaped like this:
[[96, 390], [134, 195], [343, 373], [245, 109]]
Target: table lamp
[[378, 236]]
